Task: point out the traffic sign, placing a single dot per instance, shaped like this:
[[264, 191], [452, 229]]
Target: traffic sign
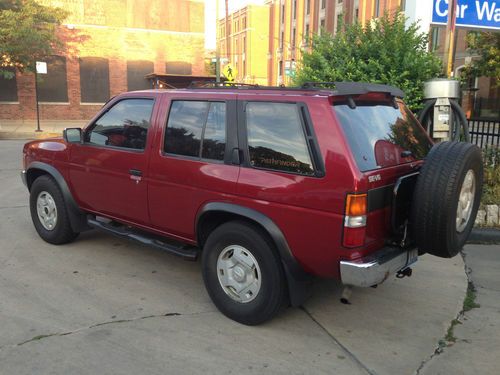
[[229, 72], [483, 14], [41, 67]]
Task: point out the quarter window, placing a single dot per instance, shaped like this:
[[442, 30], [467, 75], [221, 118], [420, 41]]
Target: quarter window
[[276, 138], [124, 125], [197, 129]]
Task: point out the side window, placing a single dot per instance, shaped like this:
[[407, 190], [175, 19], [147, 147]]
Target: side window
[[123, 125], [196, 129], [276, 138]]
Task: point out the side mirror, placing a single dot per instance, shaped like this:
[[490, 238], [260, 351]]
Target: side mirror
[[72, 135]]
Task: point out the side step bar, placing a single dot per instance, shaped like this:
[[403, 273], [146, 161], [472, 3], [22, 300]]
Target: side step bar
[[185, 251]]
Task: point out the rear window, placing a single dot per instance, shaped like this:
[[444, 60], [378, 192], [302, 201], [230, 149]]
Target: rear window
[[381, 135]]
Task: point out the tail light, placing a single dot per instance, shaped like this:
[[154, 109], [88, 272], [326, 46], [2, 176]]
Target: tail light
[[355, 220]]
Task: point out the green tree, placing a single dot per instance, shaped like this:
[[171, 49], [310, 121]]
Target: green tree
[[487, 46], [383, 51], [27, 33]]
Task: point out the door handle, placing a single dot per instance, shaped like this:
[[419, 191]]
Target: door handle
[[135, 172]]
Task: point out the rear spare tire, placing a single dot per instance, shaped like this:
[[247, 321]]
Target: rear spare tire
[[446, 198]]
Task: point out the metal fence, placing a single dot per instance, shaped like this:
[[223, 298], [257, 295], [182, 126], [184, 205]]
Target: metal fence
[[484, 132]]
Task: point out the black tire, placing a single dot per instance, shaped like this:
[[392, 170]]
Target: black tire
[[272, 295], [61, 232], [436, 198]]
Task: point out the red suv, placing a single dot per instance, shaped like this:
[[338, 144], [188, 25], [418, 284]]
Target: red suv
[[269, 185]]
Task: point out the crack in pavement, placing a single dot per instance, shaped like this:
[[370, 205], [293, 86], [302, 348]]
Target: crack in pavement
[[347, 351], [440, 347], [7, 207], [60, 334]]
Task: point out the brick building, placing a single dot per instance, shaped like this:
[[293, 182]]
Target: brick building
[[291, 21], [110, 46]]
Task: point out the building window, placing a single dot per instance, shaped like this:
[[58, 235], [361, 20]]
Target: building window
[[294, 10], [53, 86], [403, 5], [94, 79], [307, 31], [377, 8], [323, 4], [136, 72], [282, 40], [123, 125], [196, 129], [282, 13], [8, 86], [435, 38], [178, 67], [293, 37], [322, 26], [339, 21], [244, 22], [280, 68], [276, 138], [308, 7]]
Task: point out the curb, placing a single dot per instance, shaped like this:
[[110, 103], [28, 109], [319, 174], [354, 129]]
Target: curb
[[484, 235], [28, 135]]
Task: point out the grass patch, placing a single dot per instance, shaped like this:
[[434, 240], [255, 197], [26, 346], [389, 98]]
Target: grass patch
[[470, 298], [491, 183], [450, 335]]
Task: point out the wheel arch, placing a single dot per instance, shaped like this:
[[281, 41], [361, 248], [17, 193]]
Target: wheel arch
[[214, 214], [77, 217]]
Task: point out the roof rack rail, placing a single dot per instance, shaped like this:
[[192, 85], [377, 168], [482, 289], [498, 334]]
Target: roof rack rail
[[226, 84], [316, 85]]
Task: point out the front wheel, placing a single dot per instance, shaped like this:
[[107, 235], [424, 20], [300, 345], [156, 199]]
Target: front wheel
[[243, 273], [48, 212]]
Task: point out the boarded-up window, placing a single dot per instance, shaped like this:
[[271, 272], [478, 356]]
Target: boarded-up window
[[136, 71], [178, 67], [53, 86], [94, 79], [8, 87]]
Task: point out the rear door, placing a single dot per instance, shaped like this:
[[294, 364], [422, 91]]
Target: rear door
[[108, 172]]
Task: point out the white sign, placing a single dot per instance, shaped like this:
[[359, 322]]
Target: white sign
[[41, 67]]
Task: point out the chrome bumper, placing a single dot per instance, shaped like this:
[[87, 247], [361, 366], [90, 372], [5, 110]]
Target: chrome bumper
[[376, 268], [23, 178]]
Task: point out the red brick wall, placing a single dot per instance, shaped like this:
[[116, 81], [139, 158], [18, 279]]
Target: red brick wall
[[102, 29]]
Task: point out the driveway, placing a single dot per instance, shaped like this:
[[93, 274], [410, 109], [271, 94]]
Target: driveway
[[102, 305]]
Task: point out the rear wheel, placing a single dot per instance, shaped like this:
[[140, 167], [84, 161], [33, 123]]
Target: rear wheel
[[48, 212], [243, 274], [446, 198]]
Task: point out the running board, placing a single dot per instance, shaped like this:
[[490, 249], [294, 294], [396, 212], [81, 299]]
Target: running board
[[185, 251]]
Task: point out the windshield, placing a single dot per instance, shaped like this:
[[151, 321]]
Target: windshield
[[381, 135]]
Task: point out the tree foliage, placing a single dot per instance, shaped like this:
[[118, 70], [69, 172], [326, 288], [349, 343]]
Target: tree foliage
[[27, 33], [383, 51], [487, 46]]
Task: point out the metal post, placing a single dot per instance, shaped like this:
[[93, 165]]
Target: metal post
[[36, 98], [450, 46], [217, 44]]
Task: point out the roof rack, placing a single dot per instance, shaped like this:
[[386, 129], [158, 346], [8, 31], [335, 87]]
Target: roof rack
[[226, 84], [317, 85]]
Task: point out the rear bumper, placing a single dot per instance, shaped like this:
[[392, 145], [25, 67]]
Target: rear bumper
[[23, 178], [375, 268]]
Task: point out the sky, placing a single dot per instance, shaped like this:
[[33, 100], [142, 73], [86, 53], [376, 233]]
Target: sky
[[210, 6]]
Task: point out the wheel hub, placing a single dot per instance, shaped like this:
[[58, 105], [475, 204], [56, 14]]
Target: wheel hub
[[46, 210], [466, 201], [238, 273]]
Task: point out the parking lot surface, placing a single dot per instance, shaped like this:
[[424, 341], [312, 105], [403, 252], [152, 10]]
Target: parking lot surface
[[102, 305]]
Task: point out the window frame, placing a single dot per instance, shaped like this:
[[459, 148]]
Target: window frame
[[308, 133], [231, 140], [110, 105]]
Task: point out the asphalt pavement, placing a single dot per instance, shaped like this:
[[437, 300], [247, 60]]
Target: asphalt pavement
[[103, 305]]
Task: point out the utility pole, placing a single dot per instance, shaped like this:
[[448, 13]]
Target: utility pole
[[450, 47], [228, 24], [217, 44]]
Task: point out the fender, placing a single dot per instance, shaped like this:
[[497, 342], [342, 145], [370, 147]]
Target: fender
[[298, 280], [77, 217]]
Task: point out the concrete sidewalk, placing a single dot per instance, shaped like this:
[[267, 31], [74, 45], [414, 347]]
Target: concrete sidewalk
[[26, 129]]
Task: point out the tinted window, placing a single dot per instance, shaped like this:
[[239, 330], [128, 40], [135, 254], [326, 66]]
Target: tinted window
[[378, 133], [189, 121], [53, 86], [214, 136], [136, 72], [94, 80], [124, 125], [8, 86], [276, 138]]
